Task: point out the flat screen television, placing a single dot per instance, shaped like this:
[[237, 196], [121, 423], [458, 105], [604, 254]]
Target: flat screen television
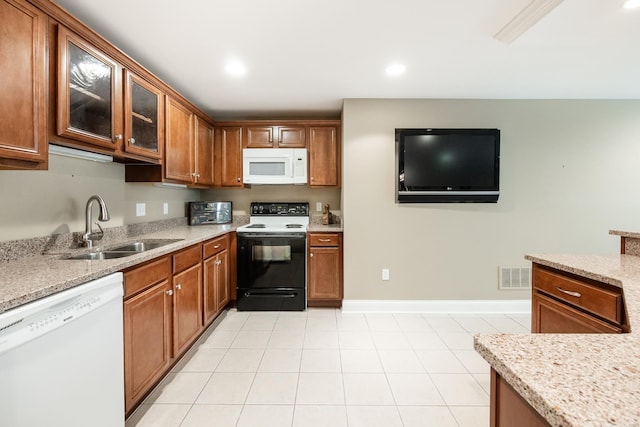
[[447, 165]]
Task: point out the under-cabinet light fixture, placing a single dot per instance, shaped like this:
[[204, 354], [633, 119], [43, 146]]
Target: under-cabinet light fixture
[[169, 185], [79, 154], [527, 18]]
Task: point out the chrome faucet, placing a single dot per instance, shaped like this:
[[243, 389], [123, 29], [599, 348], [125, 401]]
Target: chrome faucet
[[89, 236]]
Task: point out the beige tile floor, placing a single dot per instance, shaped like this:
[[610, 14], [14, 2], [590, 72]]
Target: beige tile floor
[[326, 368]]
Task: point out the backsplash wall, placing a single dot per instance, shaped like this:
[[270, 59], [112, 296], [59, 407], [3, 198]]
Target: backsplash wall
[[42, 203], [242, 197]]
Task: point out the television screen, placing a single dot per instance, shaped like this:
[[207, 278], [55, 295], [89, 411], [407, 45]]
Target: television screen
[[447, 165]]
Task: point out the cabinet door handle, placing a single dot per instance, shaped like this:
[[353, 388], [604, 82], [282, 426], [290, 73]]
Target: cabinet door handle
[[218, 262], [169, 292], [311, 255], [178, 286], [132, 140], [238, 179], [118, 137], [570, 293]]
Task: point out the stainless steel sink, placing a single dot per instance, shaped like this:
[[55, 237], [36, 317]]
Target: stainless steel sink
[[143, 245], [102, 255], [125, 250]]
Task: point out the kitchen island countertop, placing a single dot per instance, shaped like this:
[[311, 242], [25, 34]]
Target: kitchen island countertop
[[577, 379]]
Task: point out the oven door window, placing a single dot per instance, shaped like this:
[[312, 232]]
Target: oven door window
[[271, 253], [268, 262]]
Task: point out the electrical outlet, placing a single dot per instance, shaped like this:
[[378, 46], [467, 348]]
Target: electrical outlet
[[319, 206], [385, 274], [141, 209], [165, 208]]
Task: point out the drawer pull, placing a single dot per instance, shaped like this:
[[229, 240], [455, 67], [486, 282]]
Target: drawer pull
[[324, 240], [570, 293], [216, 246]]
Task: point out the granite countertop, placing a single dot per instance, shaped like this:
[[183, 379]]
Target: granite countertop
[[319, 228], [577, 379], [29, 272], [32, 277]]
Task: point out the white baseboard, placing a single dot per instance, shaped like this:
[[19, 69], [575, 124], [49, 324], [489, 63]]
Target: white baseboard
[[438, 306]]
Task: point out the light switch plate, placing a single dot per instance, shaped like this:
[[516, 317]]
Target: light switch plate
[[165, 208], [141, 209], [319, 206]]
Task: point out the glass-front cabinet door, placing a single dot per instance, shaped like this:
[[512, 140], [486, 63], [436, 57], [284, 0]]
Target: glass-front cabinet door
[[89, 93], [143, 117]]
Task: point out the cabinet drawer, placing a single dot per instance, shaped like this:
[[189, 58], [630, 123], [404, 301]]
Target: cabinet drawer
[[187, 258], [602, 301], [143, 277], [324, 239], [215, 246], [551, 316]]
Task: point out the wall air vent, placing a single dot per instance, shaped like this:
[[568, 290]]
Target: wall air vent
[[514, 278]]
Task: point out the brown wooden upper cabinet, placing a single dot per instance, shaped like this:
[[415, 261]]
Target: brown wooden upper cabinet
[[94, 107], [179, 157], [324, 156], [89, 93], [228, 156], [23, 109], [274, 137], [204, 148], [143, 117]]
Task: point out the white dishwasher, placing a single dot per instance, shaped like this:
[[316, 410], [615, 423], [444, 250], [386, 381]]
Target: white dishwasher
[[61, 359]]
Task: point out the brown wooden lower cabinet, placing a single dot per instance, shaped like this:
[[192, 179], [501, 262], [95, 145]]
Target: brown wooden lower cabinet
[[147, 328], [216, 277], [165, 310], [565, 303], [509, 409], [557, 318], [187, 308], [324, 277]]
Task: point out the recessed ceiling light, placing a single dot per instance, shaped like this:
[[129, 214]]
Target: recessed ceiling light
[[631, 4], [396, 69], [235, 68]]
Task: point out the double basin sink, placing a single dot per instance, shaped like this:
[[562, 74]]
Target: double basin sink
[[125, 250]]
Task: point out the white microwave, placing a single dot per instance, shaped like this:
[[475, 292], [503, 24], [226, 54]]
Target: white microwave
[[274, 165]]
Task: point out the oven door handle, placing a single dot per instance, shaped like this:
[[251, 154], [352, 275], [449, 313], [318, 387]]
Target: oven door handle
[[270, 294]]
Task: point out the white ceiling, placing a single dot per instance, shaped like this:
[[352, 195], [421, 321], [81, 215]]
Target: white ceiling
[[303, 57]]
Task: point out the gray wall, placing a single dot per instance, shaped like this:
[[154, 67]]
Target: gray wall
[[569, 174], [41, 203]]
